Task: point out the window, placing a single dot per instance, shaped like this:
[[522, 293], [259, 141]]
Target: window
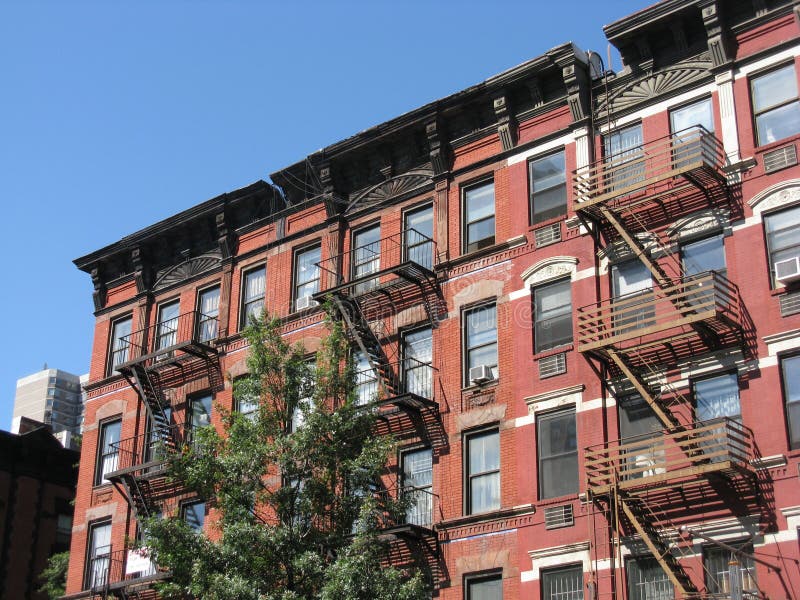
[[208, 314], [693, 115], [480, 340], [557, 446], [717, 397], [247, 405], [790, 370], [548, 185], [479, 216], [108, 452], [647, 580], [306, 276], [306, 400], [685, 123], [717, 567], [704, 255], [417, 482], [194, 514], [783, 237], [157, 438], [563, 583], [254, 287], [483, 471], [366, 380], [199, 414], [120, 343], [775, 106], [418, 240], [417, 359], [167, 328], [552, 315], [366, 257], [63, 530], [624, 158], [633, 306], [98, 551], [640, 430], [487, 587]]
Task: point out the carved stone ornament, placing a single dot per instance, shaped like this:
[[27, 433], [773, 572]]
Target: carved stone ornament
[[187, 269], [394, 187], [701, 222], [652, 86], [550, 268], [779, 195]]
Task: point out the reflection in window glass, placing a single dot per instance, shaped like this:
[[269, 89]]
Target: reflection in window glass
[[775, 105]]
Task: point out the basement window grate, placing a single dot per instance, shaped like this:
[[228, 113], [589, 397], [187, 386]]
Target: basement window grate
[[558, 516], [544, 236], [778, 159], [553, 365], [790, 304]]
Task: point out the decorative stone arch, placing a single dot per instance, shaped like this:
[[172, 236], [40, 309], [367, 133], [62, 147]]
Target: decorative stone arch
[[783, 194], [701, 223], [549, 269], [188, 269]]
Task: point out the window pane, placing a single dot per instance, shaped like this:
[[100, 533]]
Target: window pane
[[200, 412], [109, 452], [195, 515], [417, 471], [548, 187], [647, 580], [417, 357], [636, 417], [307, 272], [791, 387], [558, 454], [484, 492], [704, 255], [695, 114], [167, 325], [209, 311], [480, 234], [774, 88], [481, 326], [629, 277], [778, 123], [253, 291], [421, 220], [419, 236], [717, 397], [480, 202], [120, 343], [717, 567], [485, 589], [484, 452], [563, 584], [553, 315]]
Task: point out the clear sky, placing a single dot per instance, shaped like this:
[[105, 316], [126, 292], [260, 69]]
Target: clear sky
[[114, 115]]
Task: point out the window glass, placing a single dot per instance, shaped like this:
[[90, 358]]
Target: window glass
[[640, 430], [366, 380], [306, 273], [254, 288], [108, 450], [552, 315], [195, 515], [483, 471], [200, 411], [366, 257], [717, 397], [692, 115], [208, 319], [790, 369], [247, 405], [99, 555], [629, 279], [647, 580], [704, 255], [775, 105], [718, 568], [120, 343], [419, 236], [557, 442], [479, 213], [417, 474], [485, 588], [624, 154], [564, 583], [783, 236], [306, 400], [548, 184], [167, 330], [481, 339], [417, 358]]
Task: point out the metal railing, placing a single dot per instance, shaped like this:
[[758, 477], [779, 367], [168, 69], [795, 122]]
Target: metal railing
[[701, 297], [411, 376], [636, 169], [371, 265], [116, 567], [147, 450], [714, 445], [165, 338]]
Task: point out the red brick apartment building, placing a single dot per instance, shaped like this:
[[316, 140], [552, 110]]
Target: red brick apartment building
[[580, 291]]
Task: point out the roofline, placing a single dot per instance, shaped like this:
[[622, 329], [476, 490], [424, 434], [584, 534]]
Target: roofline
[[616, 30]]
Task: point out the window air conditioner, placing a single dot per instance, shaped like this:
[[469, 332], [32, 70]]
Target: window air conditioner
[[304, 302], [788, 271], [480, 374]]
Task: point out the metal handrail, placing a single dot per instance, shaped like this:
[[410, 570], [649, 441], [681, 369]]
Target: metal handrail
[[191, 327], [412, 377], [147, 449]]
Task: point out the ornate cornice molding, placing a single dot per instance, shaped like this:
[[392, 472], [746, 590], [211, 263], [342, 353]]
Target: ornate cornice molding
[[187, 269], [391, 188]]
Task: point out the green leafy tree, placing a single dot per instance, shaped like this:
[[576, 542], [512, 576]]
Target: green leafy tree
[[298, 510], [54, 575]]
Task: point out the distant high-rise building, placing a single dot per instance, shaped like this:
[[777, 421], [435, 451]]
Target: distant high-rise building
[[51, 396]]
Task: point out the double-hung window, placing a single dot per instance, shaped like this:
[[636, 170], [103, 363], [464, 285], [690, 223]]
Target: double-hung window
[[720, 564], [194, 514], [552, 315], [107, 450], [305, 402], [783, 242], [417, 480], [790, 370], [366, 257], [254, 287], [633, 306], [306, 276], [562, 583], [776, 108], [120, 344], [480, 341], [367, 388], [483, 471], [557, 443], [640, 430], [208, 314], [624, 158], [418, 236], [688, 125], [98, 555], [417, 359], [647, 580], [167, 328], [479, 216], [199, 414], [717, 397], [484, 587], [548, 185]]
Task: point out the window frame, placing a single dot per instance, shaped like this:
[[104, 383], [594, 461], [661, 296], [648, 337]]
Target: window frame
[[751, 80], [427, 489], [742, 546], [111, 364], [648, 558], [158, 334], [467, 438], [473, 578], [424, 369], [199, 321], [537, 289], [467, 349], [793, 444], [408, 247], [532, 193], [694, 381], [633, 157], [689, 103], [774, 283], [466, 244], [543, 417], [193, 502], [244, 303], [297, 253], [88, 581], [99, 470], [572, 568]]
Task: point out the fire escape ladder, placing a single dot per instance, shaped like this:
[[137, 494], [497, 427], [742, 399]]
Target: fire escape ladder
[[137, 490], [642, 520], [149, 390], [654, 400], [366, 340]]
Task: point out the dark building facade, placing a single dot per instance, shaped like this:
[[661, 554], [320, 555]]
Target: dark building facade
[[577, 291]]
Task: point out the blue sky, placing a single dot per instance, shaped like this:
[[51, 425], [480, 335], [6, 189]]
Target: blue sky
[[114, 115]]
